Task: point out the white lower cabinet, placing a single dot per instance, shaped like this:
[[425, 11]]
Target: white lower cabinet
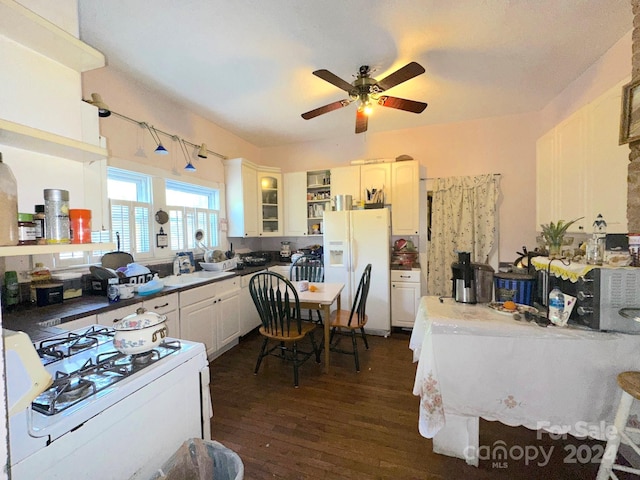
[[114, 316], [209, 314], [249, 318], [405, 297], [166, 305]]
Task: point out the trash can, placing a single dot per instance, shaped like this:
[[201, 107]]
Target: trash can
[[206, 459]]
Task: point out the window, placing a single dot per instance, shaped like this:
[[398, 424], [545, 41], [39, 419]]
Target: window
[[191, 208], [130, 197]]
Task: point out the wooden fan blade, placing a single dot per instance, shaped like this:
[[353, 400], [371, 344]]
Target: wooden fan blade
[[326, 109], [407, 72], [402, 104], [333, 79], [362, 121]]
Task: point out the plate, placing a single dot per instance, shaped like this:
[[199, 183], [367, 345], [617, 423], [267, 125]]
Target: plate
[[498, 307]]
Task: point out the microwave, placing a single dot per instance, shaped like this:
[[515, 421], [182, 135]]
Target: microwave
[[600, 295]]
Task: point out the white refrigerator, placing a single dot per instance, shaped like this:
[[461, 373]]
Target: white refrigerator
[[353, 239]]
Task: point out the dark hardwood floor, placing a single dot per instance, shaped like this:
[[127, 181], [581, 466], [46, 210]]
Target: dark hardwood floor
[[348, 425]]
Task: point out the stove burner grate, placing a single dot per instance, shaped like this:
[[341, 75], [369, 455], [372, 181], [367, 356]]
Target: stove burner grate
[[60, 347], [106, 369]]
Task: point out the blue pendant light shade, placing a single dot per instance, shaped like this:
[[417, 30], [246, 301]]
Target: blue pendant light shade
[[160, 150], [189, 166]]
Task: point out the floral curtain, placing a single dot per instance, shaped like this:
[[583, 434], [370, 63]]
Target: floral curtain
[[463, 219]]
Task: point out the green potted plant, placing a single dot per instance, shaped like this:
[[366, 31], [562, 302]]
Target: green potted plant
[[553, 235]]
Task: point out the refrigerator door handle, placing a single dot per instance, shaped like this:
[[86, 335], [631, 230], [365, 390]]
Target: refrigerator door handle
[[354, 252]]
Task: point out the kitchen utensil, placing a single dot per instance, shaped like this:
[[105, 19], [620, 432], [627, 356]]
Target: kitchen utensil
[[229, 253], [139, 332], [102, 273], [464, 289], [116, 259]]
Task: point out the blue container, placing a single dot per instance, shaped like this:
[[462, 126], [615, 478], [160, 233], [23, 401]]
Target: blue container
[[516, 287]]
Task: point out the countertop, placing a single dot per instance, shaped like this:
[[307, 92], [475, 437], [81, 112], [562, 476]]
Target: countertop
[[41, 321]]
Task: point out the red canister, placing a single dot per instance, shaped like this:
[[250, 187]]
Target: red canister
[[80, 220]]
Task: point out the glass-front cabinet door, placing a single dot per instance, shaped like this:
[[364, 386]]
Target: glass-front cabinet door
[[270, 203]]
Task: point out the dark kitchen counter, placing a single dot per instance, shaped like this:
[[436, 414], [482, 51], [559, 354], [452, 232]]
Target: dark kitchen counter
[[42, 321]]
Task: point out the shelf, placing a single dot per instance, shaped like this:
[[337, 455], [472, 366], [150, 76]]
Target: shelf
[[47, 249], [315, 218], [37, 33], [326, 185], [324, 200], [29, 138]]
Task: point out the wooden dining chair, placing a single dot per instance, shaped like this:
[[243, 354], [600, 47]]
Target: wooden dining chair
[[310, 268], [278, 305], [348, 322]]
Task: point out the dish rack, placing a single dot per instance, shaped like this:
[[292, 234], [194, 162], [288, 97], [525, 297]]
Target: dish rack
[[220, 266]]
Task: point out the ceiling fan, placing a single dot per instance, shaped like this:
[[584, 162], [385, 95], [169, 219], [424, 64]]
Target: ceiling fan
[[368, 90]]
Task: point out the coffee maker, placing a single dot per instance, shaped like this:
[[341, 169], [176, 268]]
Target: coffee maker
[[464, 286], [472, 282], [285, 251]]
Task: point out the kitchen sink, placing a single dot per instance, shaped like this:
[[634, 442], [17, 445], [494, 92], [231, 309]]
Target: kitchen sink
[[192, 278]]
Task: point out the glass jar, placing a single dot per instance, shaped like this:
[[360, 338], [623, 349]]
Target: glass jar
[[26, 229], [56, 210], [38, 219]]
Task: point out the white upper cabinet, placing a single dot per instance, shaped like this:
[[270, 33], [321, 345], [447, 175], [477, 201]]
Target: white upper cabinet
[[346, 181], [581, 171], [607, 164], [36, 33], [270, 209], [405, 202], [42, 108], [254, 199], [295, 204], [376, 176], [241, 182]]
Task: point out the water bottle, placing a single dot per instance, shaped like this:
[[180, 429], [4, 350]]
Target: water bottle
[[556, 305]]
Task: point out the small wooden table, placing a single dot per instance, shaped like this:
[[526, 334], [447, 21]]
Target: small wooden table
[[321, 299]]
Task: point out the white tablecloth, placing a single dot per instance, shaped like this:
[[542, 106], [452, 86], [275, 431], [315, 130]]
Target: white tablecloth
[[476, 362]]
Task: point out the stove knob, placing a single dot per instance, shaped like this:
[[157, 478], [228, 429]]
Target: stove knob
[[583, 311], [583, 296]]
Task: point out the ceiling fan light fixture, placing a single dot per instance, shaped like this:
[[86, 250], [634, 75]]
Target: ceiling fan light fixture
[[366, 90], [202, 153]]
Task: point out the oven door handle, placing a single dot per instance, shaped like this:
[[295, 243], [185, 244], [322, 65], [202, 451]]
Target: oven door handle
[[206, 406]]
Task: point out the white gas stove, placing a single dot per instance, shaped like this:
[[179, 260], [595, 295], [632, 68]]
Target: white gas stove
[[136, 410]]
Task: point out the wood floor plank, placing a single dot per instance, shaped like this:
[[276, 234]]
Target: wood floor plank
[[347, 425]]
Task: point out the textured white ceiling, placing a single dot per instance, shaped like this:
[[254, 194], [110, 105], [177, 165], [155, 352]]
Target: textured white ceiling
[[246, 65]]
